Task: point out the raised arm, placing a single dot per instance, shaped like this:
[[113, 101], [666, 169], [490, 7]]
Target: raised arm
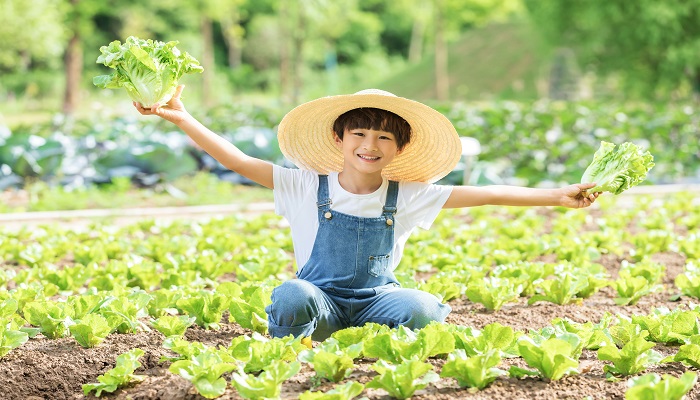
[[572, 196], [222, 150]]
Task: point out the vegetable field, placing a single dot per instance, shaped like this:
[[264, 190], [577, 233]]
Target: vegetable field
[[548, 303]]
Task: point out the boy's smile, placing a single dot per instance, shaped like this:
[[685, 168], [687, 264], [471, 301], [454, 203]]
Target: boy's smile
[[367, 151]]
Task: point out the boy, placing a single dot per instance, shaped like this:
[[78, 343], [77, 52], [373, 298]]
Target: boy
[[367, 166]]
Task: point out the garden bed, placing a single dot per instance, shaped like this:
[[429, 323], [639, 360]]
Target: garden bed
[[57, 368]]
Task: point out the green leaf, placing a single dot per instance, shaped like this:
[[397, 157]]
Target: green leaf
[[91, 330], [403, 380], [476, 371], [121, 375], [616, 170]]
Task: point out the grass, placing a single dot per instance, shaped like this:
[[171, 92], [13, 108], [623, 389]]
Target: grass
[[200, 189], [501, 61]]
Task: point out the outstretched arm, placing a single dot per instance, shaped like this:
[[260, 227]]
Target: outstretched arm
[[572, 196], [222, 150]]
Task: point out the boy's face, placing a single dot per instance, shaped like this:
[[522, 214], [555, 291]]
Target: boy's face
[[367, 150]]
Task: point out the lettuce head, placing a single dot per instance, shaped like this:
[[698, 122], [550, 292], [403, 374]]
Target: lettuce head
[[149, 70], [616, 170]]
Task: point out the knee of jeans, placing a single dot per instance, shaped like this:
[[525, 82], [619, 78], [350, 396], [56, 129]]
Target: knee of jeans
[[424, 312], [292, 298]]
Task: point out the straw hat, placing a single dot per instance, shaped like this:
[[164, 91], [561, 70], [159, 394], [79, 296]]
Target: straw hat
[[305, 136]]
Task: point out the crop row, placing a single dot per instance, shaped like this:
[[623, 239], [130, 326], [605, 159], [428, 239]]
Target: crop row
[[107, 280]]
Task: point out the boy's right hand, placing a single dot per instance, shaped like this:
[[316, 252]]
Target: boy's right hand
[[174, 111]]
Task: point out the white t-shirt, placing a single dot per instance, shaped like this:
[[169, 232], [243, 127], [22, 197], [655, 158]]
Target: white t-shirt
[[295, 193]]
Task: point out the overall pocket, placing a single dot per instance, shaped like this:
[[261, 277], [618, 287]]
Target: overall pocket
[[378, 265]]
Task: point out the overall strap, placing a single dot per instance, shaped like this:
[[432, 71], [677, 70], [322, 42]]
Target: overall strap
[[323, 200], [389, 208]]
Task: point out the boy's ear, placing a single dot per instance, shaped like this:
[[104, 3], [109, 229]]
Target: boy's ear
[[338, 140]]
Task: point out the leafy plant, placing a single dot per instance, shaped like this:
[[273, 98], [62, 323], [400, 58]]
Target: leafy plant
[[345, 391], [688, 354], [171, 325], [634, 357], [51, 318], [10, 338], [206, 307], [259, 351], [90, 330], [249, 311], [204, 370], [267, 385], [494, 336], [655, 387], [402, 343], [560, 290], [553, 357], [329, 361], [149, 70], [665, 326], [493, 292], [632, 288], [616, 170], [121, 375], [477, 371], [403, 380]]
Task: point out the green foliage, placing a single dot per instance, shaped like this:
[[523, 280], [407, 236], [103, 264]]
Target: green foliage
[[477, 371], [149, 70], [249, 310], [649, 44], [204, 370], [257, 352], [655, 387], [671, 327], [632, 288], [403, 379], [10, 337], [634, 357], [493, 292], [346, 391], [90, 330], [206, 307], [616, 170], [553, 357], [494, 336], [173, 325], [268, 384], [330, 361], [562, 289], [688, 354], [121, 375], [403, 344]]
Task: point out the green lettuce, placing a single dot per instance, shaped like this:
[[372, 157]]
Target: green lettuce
[[149, 70], [614, 170]]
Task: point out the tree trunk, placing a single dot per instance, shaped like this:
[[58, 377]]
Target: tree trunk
[[298, 56], [415, 49], [285, 63], [230, 25], [442, 81], [207, 61], [73, 64]]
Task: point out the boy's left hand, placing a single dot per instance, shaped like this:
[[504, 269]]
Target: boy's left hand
[[576, 196]]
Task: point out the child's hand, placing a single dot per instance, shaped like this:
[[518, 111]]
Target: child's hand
[[576, 196], [174, 111]]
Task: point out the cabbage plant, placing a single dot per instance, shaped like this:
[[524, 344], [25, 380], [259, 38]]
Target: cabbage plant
[[149, 70], [616, 170]]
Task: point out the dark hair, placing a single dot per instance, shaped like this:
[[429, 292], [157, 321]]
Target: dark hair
[[376, 119]]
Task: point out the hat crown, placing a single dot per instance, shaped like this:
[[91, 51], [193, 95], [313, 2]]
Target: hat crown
[[376, 91]]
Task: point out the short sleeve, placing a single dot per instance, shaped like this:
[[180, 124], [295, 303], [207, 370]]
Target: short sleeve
[[292, 188], [423, 202]]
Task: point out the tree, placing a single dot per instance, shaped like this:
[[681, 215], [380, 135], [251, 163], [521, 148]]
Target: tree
[[652, 45], [43, 43]]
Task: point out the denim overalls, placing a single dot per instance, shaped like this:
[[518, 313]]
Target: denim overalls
[[348, 280]]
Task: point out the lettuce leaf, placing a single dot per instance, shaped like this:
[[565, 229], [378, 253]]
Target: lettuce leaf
[[149, 70], [614, 170]]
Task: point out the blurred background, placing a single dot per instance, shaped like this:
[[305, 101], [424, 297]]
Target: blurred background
[[539, 83]]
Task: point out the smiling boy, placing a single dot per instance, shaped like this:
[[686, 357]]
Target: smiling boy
[[367, 166]]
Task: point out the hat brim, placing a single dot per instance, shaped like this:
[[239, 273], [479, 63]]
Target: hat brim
[[305, 137]]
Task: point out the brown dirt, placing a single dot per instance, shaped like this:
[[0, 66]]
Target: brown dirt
[[56, 369]]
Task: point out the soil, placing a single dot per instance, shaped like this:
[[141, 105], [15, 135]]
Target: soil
[[56, 369]]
